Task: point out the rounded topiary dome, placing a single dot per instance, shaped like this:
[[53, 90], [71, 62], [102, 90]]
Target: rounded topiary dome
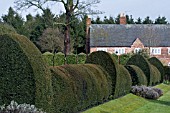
[[137, 75], [108, 62], [25, 77], [143, 64]]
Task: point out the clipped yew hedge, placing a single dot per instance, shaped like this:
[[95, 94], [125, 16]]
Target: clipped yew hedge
[[123, 82], [78, 87], [24, 76], [156, 75], [108, 62], [6, 29], [167, 73], [137, 75], [58, 58], [157, 63], [143, 64]]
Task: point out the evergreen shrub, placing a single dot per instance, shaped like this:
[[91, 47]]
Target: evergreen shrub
[[137, 75], [157, 63], [143, 64], [108, 62], [24, 76], [167, 73], [123, 82], [78, 87], [156, 75], [6, 29]]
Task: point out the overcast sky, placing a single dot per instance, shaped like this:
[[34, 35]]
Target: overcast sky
[[136, 8]]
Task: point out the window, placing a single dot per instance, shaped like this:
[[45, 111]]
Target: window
[[102, 49], [155, 51], [168, 50], [137, 50], [119, 51]]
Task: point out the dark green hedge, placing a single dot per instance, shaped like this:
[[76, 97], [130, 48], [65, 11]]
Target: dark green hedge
[[78, 87], [157, 63], [167, 73], [58, 58], [137, 75], [108, 62], [24, 76], [123, 82], [156, 75], [122, 58], [143, 64], [6, 29]]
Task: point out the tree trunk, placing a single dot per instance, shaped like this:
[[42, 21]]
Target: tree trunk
[[67, 38]]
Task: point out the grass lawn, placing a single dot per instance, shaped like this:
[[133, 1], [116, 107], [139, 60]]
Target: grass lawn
[[134, 104]]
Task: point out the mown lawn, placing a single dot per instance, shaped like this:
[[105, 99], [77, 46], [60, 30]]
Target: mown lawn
[[134, 104]]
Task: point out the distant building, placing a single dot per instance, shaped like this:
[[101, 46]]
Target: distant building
[[126, 38]]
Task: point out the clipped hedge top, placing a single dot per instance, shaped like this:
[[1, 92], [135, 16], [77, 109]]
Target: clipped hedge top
[[107, 61], [5, 28], [22, 60], [157, 63]]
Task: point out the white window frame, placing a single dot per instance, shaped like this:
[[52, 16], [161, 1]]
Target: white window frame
[[102, 49], [155, 51], [137, 50], [119, 51], [168, 50]]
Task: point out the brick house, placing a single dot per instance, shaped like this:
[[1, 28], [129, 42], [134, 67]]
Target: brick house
[[125, 38]]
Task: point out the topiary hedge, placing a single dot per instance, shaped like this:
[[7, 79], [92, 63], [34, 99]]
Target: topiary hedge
[[143, 64], [156, 75], [123, 82], [24, 76], [6, 29], [58, 59], [137, 75], [78, 87], [157, 63], [167, 73], [108, 62]]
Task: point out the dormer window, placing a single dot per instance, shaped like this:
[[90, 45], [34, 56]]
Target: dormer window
[[155, 51]]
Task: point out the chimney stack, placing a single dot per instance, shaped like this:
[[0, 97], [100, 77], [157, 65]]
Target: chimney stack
[[122, 18], [88, 23]]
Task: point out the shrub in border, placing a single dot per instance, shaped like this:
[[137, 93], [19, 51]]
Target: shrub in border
[[137, 75], [157, 63], [25, 77]]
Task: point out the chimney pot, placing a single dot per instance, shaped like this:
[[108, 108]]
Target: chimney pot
[[122, 18]]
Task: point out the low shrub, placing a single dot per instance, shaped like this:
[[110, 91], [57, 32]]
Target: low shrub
[[147, 92], [14, 107], [137, 75]]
